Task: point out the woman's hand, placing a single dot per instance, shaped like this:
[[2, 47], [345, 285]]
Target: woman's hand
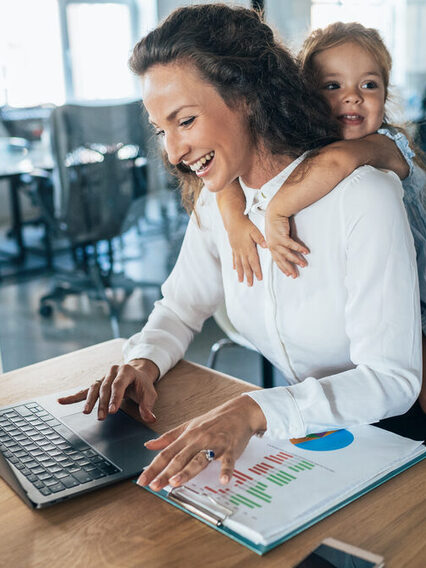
[[244, 237], [285, 252], [134, 380], [226, 430]]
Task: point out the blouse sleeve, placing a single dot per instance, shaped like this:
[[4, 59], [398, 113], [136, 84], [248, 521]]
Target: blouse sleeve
[[403, 145], [382, 320], [191, 294]]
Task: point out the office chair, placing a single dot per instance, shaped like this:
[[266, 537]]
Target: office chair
[[99, 181], [234, 339]]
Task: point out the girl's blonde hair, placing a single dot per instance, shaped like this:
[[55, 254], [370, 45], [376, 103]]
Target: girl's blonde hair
[[339, 33]]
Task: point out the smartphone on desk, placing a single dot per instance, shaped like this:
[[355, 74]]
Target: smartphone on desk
[[332, 553]]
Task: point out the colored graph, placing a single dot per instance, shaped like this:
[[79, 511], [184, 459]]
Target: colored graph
[[325, 441], [253, 489]]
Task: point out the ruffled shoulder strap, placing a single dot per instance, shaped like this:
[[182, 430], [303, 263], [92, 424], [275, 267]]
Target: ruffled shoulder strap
[[401, 141]]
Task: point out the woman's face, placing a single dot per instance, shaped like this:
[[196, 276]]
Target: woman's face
[[196, 126], [351, 81]]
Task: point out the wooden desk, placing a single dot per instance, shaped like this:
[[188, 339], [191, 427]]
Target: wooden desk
[[124, 526]]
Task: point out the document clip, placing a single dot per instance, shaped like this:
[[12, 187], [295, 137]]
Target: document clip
[[201, 505]]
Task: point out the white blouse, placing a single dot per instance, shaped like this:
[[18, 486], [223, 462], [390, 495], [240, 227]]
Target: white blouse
[[346, 334]]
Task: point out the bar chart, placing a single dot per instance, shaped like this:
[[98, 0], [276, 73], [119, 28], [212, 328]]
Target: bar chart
[[258, 484]]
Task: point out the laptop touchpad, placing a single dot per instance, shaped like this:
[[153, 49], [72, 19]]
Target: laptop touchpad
[[119, 437], [115, 427]]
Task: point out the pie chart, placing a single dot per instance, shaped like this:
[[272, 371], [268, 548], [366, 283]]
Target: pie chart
[[324, 441]]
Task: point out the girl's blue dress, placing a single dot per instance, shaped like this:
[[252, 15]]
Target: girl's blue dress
[[414, 200]]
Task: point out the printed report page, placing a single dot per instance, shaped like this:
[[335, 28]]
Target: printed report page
[[277, 486]]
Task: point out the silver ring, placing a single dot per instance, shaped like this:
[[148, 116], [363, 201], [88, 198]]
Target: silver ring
[[99, 381], [209, 455]]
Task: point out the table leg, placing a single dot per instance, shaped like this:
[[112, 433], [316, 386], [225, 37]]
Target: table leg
[[16, 214]]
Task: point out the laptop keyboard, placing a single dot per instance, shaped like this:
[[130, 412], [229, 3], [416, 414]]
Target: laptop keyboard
[[46, 452]]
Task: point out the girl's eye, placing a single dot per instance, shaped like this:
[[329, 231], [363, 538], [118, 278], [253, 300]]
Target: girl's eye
[[370, 85], [331, 86], [187, 122]]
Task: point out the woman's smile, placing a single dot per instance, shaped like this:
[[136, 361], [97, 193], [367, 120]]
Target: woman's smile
[[202, 165]]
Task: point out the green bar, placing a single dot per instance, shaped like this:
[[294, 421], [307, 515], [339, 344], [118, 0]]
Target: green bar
[[281, 483], [282, 476], [273, 477], [277, 474], [260, 492], [247, 501], [235, 501], [241, 502], [292, 468], [308, 464], [288, 474], [260, 484], [283, 479], [252, 492]]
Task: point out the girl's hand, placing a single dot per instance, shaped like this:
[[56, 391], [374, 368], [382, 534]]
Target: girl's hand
[[243, 238], [285, 252], [226, 430], [135, 381]]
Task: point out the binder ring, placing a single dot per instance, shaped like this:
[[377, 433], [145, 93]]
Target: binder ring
[[209, 455]]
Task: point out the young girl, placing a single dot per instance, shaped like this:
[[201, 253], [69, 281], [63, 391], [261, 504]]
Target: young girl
[[349, 65]]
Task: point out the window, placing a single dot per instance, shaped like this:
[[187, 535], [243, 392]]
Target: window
[[31, 70], [57, 51], [100, 40]]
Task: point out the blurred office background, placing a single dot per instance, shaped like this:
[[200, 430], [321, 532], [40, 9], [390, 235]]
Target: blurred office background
[[58, 57]]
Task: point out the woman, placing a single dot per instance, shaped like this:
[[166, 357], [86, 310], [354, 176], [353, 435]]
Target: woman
[[227, 101]]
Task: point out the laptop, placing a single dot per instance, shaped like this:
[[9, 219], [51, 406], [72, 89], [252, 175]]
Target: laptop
[[50, 452]]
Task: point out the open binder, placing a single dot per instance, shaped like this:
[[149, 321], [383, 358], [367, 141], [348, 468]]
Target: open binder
[[281, 488]]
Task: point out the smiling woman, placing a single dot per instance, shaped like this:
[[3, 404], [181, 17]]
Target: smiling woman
[[228, 102], [244, 70], [197, 127]]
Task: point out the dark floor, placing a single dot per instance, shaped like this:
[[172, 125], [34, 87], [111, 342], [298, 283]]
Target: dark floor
[[26, 337]]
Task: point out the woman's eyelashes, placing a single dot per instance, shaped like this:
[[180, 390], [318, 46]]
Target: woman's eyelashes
[[184, 124], [187, 121]]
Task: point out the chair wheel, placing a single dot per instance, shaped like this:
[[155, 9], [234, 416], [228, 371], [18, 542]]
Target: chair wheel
[[46, 310]]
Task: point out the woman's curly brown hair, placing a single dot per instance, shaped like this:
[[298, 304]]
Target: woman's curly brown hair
[[236, 52]]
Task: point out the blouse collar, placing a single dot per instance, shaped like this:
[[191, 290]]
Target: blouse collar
[[259, 198]]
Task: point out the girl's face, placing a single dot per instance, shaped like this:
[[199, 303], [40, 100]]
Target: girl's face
[[196, 126], [351, 80]]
